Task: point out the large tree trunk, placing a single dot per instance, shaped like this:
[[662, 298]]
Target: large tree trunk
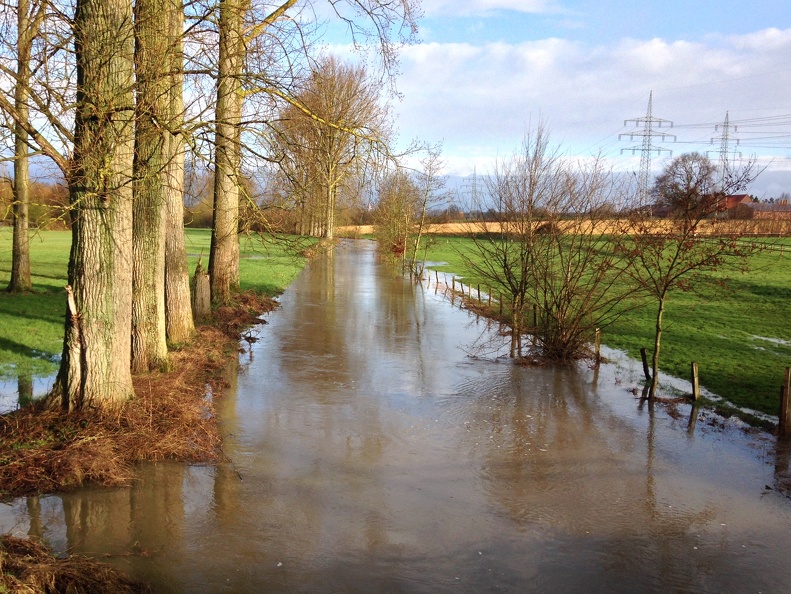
[[95, 367], [149, 343], [178, 311], [20, 253], [224, 253]]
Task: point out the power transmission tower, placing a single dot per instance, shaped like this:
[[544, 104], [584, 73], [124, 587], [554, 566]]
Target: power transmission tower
[[725, 152], [471, 191], [648, 134]]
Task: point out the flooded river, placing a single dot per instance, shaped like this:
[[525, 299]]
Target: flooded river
[[373, 447]]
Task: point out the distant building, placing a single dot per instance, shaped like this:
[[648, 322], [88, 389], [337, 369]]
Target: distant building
[[731, 202]]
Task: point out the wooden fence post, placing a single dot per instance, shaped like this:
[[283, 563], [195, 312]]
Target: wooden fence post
[[479, 293], [785, 409], [201, 293], [644, 357], [695, 382], [598, 346]]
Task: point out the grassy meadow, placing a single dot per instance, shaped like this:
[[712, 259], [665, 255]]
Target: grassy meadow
[[738, 330], [31, 325]]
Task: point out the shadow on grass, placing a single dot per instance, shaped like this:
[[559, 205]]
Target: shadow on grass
[[41, 307], [25, 351]]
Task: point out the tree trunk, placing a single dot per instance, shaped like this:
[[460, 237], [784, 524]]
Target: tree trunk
[[20, 252], [149, 343], [657, 343], [178, 311], [224, 253], [329, 211], [95, 368]]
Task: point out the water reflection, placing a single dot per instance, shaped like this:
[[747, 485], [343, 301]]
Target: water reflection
[[366, 451]]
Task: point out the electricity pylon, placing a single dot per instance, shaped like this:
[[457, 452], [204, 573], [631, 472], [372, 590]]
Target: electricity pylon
[[725, 151], [648, 134]]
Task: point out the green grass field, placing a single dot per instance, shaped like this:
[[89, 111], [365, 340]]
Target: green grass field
[[31, 325], [739, 334]]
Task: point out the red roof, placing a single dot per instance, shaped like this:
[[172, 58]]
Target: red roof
[[730, 202]]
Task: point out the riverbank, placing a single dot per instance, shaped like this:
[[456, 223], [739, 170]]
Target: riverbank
[[45, 451]]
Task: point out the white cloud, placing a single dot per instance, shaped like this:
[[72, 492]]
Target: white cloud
[[483, 95], [458, 8]]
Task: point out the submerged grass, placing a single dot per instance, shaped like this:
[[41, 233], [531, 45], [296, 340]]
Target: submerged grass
[[736, 326]]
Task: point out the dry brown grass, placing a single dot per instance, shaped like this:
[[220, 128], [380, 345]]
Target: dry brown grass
[[45, 451], [28, 567], [754, 227]]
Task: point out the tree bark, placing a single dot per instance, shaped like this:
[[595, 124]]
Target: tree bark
[[152, 45], [224, 252], [20, 251], [179, 324], [95, 368]]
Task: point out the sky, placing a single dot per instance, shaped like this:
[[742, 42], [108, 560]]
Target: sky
[[486, 70]]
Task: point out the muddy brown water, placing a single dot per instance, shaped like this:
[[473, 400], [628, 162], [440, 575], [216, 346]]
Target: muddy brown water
[[372, 448]]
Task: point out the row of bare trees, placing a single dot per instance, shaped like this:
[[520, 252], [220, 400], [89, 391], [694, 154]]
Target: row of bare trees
[[115, 93]]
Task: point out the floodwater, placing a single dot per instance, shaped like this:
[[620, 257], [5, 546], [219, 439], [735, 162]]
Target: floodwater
[[375, 444]]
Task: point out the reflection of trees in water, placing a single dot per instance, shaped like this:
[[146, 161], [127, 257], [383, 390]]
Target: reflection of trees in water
[[25, 388], [98, 521], [556, 465], [305, 454]]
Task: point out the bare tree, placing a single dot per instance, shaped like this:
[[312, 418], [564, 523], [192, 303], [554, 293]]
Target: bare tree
[[673, 254], [398, 208], [432, 185], [153, 45], [544, 247], [333, 124], [179, 324], [29, 18], [389, 23]]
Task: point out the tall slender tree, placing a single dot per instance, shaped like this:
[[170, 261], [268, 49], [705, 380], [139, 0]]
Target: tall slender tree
[[152, 46], [389, 22], [224, 251], [179, 324], [29, 17]]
